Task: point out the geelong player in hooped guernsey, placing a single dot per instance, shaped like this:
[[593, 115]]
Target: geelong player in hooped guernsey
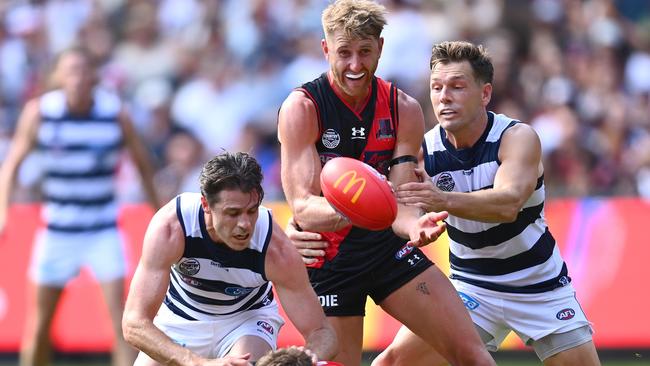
[[202, 291], [486, 170]]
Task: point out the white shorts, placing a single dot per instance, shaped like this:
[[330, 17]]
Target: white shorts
[[530, 316], [215, 338], [58, 257]]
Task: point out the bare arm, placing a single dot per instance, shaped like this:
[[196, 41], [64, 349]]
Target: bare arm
[[297, 132], [287, 272], [22, 143], [410, 134], [515, 181], [140, 158]]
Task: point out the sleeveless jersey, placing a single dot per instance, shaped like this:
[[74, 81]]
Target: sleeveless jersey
[[369, 137], [80, 156], [517, 257], [210, 280]]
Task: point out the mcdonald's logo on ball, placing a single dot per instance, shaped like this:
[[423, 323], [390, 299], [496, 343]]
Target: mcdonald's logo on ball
[[357, 191]]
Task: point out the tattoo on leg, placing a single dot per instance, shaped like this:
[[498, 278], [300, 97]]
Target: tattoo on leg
[[422, 287]]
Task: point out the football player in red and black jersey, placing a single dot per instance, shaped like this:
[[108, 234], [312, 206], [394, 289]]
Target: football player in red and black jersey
[[348, 111]]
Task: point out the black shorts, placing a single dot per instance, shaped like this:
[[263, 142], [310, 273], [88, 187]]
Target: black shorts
[[343, 293]]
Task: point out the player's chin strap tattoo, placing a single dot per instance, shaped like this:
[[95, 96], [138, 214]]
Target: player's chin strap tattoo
[[402, 159]]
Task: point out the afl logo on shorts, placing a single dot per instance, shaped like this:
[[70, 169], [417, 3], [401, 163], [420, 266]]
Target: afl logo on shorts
[[266, 326], [330, 138], [189, 266], [403, 252], [565, 314], [445, 182], [469, 302]]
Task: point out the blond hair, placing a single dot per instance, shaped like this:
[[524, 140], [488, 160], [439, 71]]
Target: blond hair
[[359, 19], [459, 51]]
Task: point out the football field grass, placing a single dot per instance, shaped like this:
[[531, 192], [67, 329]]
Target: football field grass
[[616, 358]]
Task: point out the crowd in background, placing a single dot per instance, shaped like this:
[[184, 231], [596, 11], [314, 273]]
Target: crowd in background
[[200, 76]]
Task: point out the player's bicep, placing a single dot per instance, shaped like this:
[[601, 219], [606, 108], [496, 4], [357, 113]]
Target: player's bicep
[[297, 133], [26, 131], [162, 246], [410, 133], [520, 155]]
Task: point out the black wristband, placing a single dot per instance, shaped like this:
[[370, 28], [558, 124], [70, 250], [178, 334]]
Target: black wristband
[[402, 159]]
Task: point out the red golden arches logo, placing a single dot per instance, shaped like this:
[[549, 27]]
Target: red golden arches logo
[[352, 182]]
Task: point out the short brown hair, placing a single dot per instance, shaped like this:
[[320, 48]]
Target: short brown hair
[[230, 171], [459, 51], [359, 19], [291, 356]]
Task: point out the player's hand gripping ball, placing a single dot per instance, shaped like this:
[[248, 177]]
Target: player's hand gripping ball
[[358, 192]]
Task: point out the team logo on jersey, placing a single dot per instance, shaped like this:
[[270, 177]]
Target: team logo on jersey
[[325, 157], [189, 266], [564, 280], [266, 326], [266, 301], [404, 251], [358, 133], [385, 130], [469, 302], [330, 138], [565, 314], [445, 182], [237, 291]]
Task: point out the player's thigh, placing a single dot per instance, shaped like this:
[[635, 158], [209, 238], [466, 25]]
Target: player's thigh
[[256, 346], [574, 347], [55, 258], [349, 332], [252, 331], [431, 308], [407, 349], [106, 258]]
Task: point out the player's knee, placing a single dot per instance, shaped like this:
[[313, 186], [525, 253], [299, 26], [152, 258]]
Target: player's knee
[[475, 356], [384, 359]]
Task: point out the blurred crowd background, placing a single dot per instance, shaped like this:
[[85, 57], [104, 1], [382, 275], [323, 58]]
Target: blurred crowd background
[[200, 76]]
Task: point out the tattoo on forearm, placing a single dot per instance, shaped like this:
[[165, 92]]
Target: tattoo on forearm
[[422, 287]]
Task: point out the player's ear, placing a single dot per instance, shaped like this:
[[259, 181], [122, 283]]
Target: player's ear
[[205, 205], [323, 46]]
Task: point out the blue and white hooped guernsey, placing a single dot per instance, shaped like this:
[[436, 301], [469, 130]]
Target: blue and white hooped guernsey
[[80, 156], [517, 257], [211, 280]]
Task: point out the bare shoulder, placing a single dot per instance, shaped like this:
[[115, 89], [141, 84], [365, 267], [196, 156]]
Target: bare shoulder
[[31, 112], [410, 131], [408, 106], [520, 133], [297, 113], [165, 236]]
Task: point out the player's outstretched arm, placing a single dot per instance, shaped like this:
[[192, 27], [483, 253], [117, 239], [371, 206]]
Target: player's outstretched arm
[[289, 276], [301, 167], [409, 224], [515, 181]]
